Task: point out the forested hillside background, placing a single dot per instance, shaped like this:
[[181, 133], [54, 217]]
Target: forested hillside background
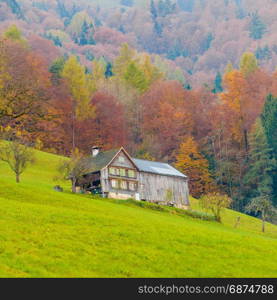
[[198, 36], [191, 82]]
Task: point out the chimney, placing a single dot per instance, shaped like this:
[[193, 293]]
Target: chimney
[[95, 151]]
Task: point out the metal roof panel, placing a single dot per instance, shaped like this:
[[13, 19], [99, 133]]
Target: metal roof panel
[[157, 168]]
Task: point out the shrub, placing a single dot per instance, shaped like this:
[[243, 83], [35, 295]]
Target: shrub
[[177, 211], [215, 202]]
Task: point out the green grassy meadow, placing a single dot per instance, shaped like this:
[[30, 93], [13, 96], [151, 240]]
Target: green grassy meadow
[[44, 233]]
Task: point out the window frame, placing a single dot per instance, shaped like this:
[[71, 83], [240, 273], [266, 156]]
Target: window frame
[[133, 172], [124, 185], [134, 186], [110, 171], [116, 186], [122, 171]]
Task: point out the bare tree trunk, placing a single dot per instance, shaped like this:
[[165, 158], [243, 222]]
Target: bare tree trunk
[[73, 132], [263, 222], [237, 222], [17, 178], [246, 142], [74, 185], [218, 213], [230, 179]]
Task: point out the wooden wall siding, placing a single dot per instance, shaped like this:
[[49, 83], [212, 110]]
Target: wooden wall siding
[[105, 177], [120, 195], [105, 180], [107, 188], [153, 188], [125, 164]]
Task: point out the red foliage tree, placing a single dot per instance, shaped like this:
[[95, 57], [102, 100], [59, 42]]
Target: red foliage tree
[[44, 48], [107, 129], [166, 117]]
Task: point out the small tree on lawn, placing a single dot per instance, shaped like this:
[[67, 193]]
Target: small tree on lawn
[[18, 157], [216, 202], [73, 169], [263, 206]]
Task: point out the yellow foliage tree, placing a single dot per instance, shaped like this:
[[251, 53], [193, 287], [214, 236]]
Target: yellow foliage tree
[[126, 56], [248, 63], [98, 74], [14, 34], [151, 72], [195, 166], [75, 27], [80, 90]]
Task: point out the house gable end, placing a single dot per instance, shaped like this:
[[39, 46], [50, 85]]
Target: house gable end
[[122, 159]]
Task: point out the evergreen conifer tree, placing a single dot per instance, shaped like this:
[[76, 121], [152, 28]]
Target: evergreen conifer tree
[[257, 27], [269, 122], [259, 177], [218, 84]]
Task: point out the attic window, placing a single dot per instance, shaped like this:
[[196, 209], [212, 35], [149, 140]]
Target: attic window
[[121, 159]]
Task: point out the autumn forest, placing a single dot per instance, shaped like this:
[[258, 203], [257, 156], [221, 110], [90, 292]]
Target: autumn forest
[[189, 82]]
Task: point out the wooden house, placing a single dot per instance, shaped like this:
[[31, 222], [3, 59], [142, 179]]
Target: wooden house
[[115, 174]]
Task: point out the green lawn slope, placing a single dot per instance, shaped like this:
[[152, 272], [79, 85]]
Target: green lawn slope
[[44, 233]]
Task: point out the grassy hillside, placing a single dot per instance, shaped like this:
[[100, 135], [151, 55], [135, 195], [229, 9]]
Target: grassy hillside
[[48, 234], [247, 223]]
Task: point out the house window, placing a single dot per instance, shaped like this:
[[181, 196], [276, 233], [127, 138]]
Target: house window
[[123, 185], [131, 174], [114, 183], [122, 172], [132, 186], [112, 171], [121, 159]]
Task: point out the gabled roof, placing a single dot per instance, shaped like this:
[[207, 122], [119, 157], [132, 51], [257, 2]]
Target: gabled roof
[[127, 154], [157, 168], [103, 159], [99, 162]]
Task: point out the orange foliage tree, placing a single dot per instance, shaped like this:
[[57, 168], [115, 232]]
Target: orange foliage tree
[[190, 161], [244, 98], [24, 90]]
